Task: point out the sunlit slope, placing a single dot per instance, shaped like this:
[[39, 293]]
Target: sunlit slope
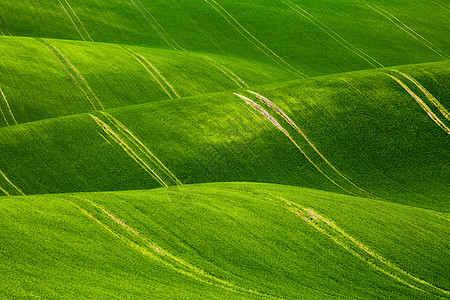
[[307, 38], [50, 78], [221, 241], [373, 134]]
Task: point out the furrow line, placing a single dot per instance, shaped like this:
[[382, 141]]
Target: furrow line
[[11, 184], [253, 40], [131, 153], [408, 30], [429, 95], [78, 75], [136, 56], [154, 27], [279, 111], [162, 28], [440, 5], [70, 74], [141, 147], [9, 108], [331, 33], [162, 256], [76, 16], [71, 20], [263, 112], [227, 72], [6, 27], [359, 250], [422, 104]]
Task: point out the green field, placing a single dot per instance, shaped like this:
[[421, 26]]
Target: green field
[[223, 149]]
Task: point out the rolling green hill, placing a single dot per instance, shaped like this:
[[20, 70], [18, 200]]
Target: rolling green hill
[[224, 149], [235, 241], [359, 133], [307, 37], [51, 78]]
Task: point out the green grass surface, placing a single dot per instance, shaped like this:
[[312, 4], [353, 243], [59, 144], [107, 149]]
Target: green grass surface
[[223, 149], [219, 241]]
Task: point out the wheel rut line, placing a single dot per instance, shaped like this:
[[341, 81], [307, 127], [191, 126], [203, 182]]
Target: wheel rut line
[[78, 74], [280, 112], [177, 46], [328, 228], [11, 184], [332, 34], [227, 72], [136, 150], [81, 23], [60, 59], [269, 117], [157, 253], [162, 82], [174, 47], [394, 20], [72, 21], [9, 108], [253, 40], [6, 27], [427, 94], [422, 104], [130, 152], [141, 147]]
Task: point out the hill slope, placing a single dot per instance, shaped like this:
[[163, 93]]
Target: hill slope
[[365, 133], [46, 78], [308, 38], [240, 241]]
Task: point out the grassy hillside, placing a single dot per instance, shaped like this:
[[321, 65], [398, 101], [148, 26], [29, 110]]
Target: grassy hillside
[[49, 78], [364, 133], [224, 149], [240, 241], [308, 38]]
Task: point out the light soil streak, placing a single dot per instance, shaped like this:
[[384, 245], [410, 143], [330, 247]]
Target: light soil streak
[[3, 21], [331, 33], [358, 249], [422, 104], [263, 112], [78, 74], [154, 27], [12, 184], [227, 72], [430, 96], [128, 150], [9, 108], [4, 118], [68, 72], [292, 123], [136, 56], [253, 40], [408, 30], [141, 147], [162, 28], [162, 256], [75, 14], [71, 20]]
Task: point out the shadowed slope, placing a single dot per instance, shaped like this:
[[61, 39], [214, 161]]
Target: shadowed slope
[[239, 240], [307, 38], [49, 78]]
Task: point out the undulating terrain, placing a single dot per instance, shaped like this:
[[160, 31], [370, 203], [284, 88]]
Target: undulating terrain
[[224, 149]]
